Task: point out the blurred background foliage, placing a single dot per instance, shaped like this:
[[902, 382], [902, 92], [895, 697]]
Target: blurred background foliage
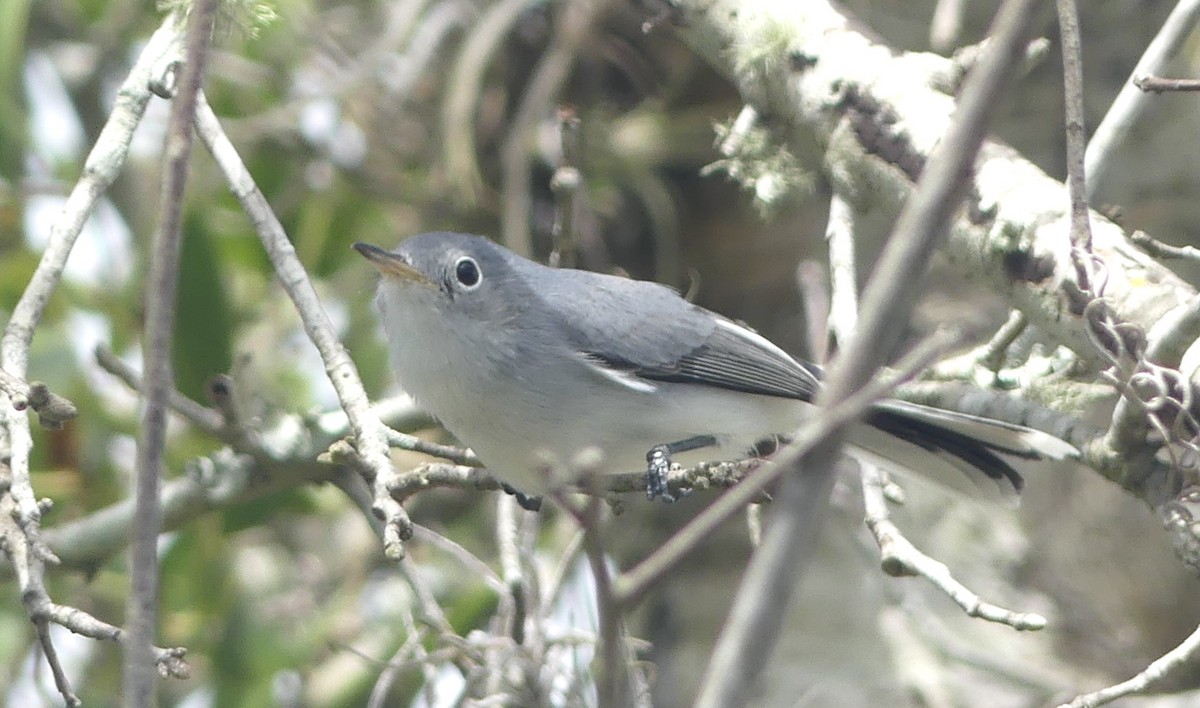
[[372, 120]]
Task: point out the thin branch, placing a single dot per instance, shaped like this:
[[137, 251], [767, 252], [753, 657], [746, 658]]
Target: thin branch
[[511, 566], [53, 410], [1159, 249], [42, 611], [813, 285], [565, 183], [843, 273], [140, 678], [575, 23], [370, 436], [946, 25], [566, 559], [993, 353], [899, 557], [462, 94], [217, 481], [613, 680], [203, 417], [1180, 657], [469, 560], [1129, 104], [457, 455], [753, 624], [1158, 84], [989, 357], [101, 168], [1081, 229]]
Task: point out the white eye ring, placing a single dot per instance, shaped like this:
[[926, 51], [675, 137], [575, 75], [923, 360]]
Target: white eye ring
[[466, 272]]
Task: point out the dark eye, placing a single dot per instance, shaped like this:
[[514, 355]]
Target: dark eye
[[466, 270]]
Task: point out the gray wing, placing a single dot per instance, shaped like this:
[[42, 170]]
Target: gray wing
[[646, 330]]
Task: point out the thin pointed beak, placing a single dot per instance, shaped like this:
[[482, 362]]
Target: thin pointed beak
[[390, 264]]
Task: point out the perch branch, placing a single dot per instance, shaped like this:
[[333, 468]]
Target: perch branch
[[370, 436]]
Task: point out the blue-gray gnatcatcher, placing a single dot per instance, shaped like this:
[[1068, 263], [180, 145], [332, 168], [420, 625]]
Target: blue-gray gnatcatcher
[[528, 364]]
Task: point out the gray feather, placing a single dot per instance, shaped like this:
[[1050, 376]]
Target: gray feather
[[648, 330]]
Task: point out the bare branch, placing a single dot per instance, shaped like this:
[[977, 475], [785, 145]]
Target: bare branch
[[899, 557], [613, 680], [1166, 665], [459, 456], [162, 280], [843, 273], [1129, 104], [204, 418], [101, 168], [370, 436], [946, 24], [1158, 84], [1081, 229], [53, 410], [463, 88], [566, 183], [576, 20], [1162, 250]]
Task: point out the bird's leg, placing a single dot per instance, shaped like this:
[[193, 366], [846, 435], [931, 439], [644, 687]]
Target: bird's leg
[[525, 501], [658, 464]]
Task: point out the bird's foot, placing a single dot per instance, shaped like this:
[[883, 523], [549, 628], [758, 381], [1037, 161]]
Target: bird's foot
[[525, 501]]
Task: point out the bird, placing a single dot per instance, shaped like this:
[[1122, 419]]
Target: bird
[[529, 365]]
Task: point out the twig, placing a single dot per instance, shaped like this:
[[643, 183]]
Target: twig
[[469, 560], [462, 94], [369, 434], [813, 285], [565, 183], [399, 661], [992, 355], [510, 564], [53, 410], [1081, 229], [217, 481], [753, 624], [573, 27], [754, 524], [946, 24], [1179, 657], [746, 121], [707, 475], [843, 273], [566, 559], [99, 171], [203, 417], [1158, 84], [457, 455], [1159, 249], [919, 668], [140, 679], [899, 557], [1132, 101], [42, 610], [612, 684], [989, 357]]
